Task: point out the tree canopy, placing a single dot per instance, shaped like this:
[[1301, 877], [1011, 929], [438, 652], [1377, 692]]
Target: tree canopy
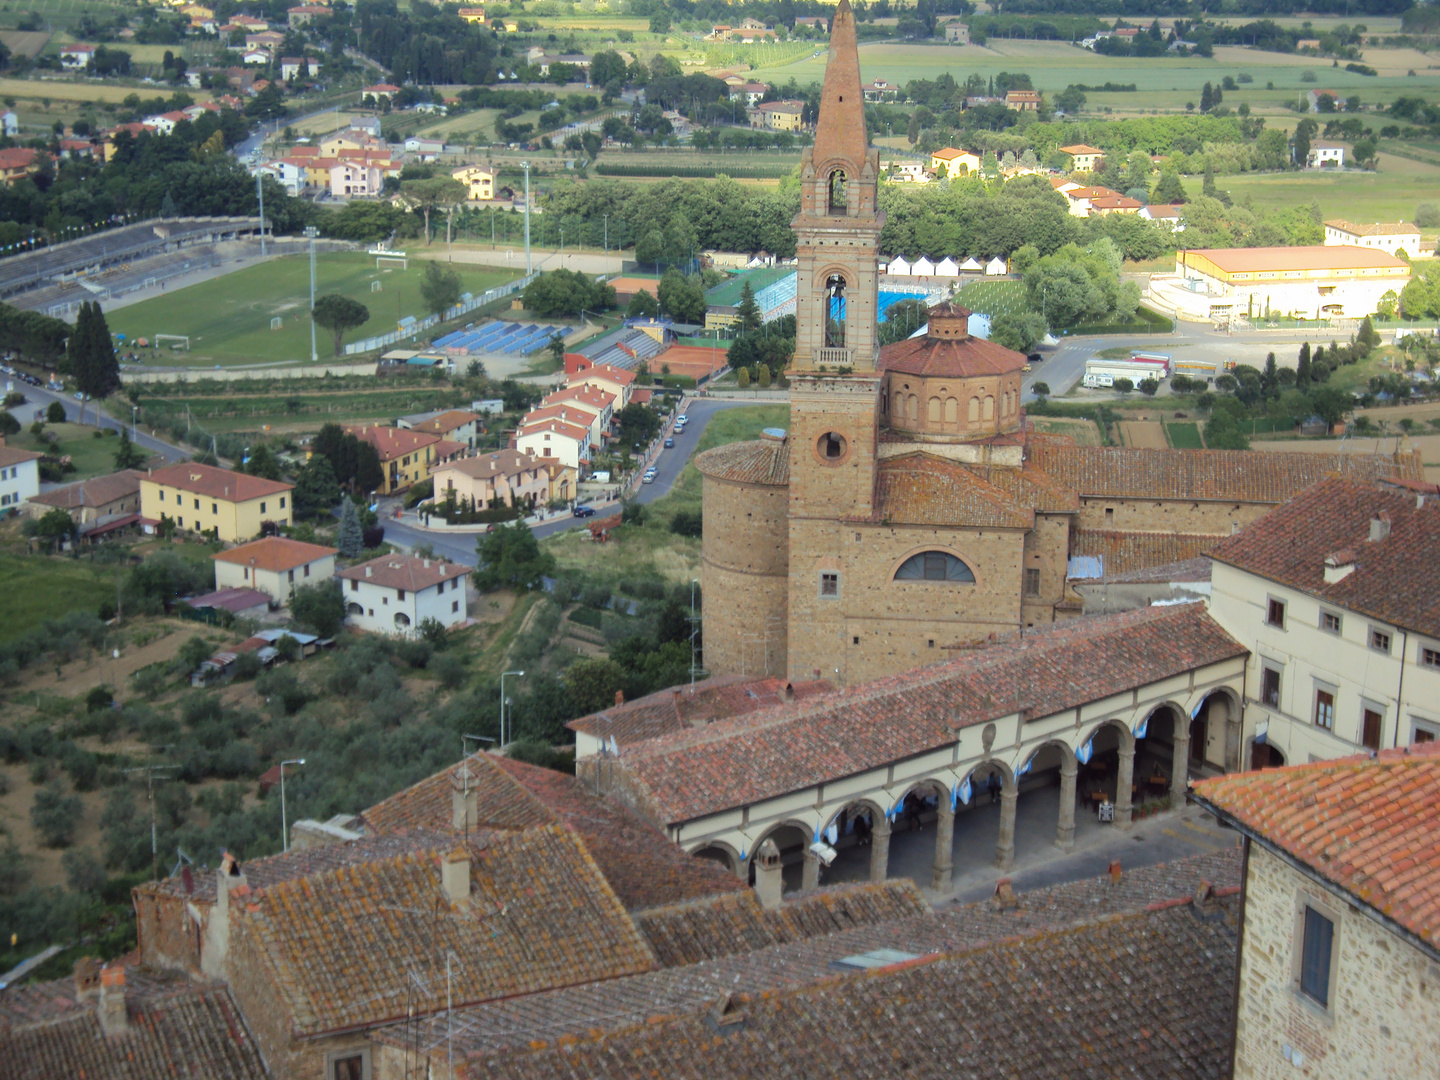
[[510, 558], [338, 314]]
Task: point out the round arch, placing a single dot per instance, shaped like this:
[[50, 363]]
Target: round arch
[[1124, 735], [877, 813], [984, 767], [1065, 751], [718, 851], [920, 549]]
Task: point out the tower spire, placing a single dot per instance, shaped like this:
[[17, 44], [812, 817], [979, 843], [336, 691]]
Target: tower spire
[[840, 130]]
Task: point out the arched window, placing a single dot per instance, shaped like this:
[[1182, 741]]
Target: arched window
[[932, 410], [974, 410], [952, 411], [835, 311], [914, 409], [988, 408], [839, 196], [897, 407], [934, 566]]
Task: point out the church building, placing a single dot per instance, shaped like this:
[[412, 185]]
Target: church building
[[910, 511]]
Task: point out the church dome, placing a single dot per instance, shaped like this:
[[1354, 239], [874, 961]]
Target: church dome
[[948, 350]]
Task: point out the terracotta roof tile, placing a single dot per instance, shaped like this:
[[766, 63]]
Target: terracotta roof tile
[[1313, 257], [763, 461], [1127, 552], [1031, 488], [99, 491], [392, 442], [922, 489], [216, 483], [785, 748], [1290, 544], [685, 707], [1214, 475], [275, 553], [1370, 825], [409, 572], [497, 463], [953, 357]]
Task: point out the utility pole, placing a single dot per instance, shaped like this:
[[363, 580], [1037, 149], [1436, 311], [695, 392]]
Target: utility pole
[[311, 231], [526, 166], [607, 234], [150, 777], [260, 195]]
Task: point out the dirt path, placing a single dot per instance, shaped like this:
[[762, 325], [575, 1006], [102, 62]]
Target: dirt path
[[1144, 434]]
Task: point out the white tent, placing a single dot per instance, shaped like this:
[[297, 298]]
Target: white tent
[[995, 267], [946, 268], [971, 265], [898, 267], [922, 267]]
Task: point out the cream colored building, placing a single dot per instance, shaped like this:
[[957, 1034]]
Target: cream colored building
[[507, 475], [1315, 282], [479, 183], [1337, 975], [953, 163], [274, 565], [1392, 237], [203, 498], [1085, 158], [1332, 594]]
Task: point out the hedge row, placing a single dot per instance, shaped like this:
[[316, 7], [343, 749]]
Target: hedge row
[[705, 172]]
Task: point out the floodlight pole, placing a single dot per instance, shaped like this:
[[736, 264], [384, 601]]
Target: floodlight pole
[[260, 195], [311, 231], [526, 166], [284, 823], [517, 674]]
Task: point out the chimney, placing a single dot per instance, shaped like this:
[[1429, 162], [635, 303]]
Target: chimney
[[113, 1019], [1379, 527], [619, 697], [425, 563], [369, 571], [1339, 565], [788, 693], [1005, 895], [464, 800], [87, 979], [769, 883], [228, 879], [1114, 871], [455, 875]]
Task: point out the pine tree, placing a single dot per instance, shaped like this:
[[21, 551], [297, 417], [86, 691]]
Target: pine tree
[[748, 311], [1207, 98], [1207, 185], [127, 454], [168, 209], [92, 354], [1302, 368], [351, 538]]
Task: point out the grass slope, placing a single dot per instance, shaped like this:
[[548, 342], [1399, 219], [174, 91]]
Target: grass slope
[[40, 587], [228, 318], [89, 455]]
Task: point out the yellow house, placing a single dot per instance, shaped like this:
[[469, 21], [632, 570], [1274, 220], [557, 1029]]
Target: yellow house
[[953, 164], [406, 456], [511, 26], [1086, 158], [473, 14], [479, 183], [784, 115], [203, 498]]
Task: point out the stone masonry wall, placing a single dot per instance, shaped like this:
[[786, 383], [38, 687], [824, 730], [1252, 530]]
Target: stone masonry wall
[[167, 935], [744, 573], [1167, 515], [1385, 1009]]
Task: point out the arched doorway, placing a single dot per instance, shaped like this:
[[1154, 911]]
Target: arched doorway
[[720, 854], [854, 832], [792, 840], [1106, 772]]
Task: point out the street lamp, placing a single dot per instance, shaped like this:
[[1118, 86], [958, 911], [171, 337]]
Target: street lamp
[[311, 231], [518, 675], [134, 409], [526, 166], [284, 822]]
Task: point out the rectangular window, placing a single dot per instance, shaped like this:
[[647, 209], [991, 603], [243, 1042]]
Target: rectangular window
[[1429, 657], [1379, 640], [1109, 515], [385, 601], [179, 523], [307, 570], [245, 573], [348, 1067], [1270, 686], [1275, 613], [1423, 732], [282, 502], [262, 507], [162, 496], [1330, 622], [1371, 723], [292, 577], [455, 606], [1032, 582], [354, 585], [401, 592], [1325, 709], [1317, 940], [829, 584], [197, 504]]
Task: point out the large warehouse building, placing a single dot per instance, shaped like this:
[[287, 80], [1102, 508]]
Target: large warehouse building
[[1314, 282]]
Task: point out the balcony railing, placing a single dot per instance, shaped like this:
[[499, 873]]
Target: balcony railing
[[838, 357]]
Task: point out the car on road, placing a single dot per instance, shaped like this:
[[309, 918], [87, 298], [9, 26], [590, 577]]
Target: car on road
[[648, 478], [669, 444], [583, 511], [682, 419]]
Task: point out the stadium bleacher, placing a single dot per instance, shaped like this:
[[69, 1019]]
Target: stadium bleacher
[[498, 336]]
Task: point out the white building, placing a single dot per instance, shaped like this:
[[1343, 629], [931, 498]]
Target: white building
[[1388, 236], [19, 477], [354, 179], [394, 594], [607, 377], [274, 565], [1314, 282], [1332, 593], [568, 444], [1325, 155], [76, 57]]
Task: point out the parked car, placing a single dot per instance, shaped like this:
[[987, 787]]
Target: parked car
[[669, 444], [583, 511], [648, 478]]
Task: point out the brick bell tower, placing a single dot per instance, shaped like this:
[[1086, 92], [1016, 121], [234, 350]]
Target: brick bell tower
[[834, 384]]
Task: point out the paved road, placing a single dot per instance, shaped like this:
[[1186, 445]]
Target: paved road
[[39, 398], [460, 547]]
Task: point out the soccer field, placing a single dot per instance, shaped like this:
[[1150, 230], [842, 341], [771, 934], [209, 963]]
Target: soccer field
[[228, 318]]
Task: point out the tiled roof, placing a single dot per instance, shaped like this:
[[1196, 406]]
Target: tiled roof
[[447, 421], [922, 489], [950, 355], [275, 553], [1313, 257], [1145, 994], [341, 947], [215, 483], [643, 866], [1215, 475], [1379, 228], [177, 1028], [498, 463], [409, 572], [1080, 148], [1030, 487], [582, 395], [735, 922], [392, 442], [1186, 570], [11, 455], [583, 1011], [1124, 552], [684, 707], [556, 427], [763, 461], [607, 371], [1370, 825], [788, 748], [1290, 545]]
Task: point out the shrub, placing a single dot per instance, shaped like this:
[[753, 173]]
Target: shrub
[[687, 523], [55, 414], [150, 680], [248, 665], [55, 815], [449, 668], [84, 873], [282, 690], [373, 537]]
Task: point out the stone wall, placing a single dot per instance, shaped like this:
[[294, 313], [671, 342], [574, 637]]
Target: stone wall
[[167, 936], [963, 408], [744, 572], [1212, 518], [1385, 1006]]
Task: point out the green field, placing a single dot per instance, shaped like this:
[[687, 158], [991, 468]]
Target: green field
[[89, 455], [1184, 436], [994, 298], [1391, 193], [37, 588], [300, 411], [228, 318]]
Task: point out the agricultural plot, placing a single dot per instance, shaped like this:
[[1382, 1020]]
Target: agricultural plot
[[287, 412], [994, 298], [1391, 193], [228, 319], [1184, 436]]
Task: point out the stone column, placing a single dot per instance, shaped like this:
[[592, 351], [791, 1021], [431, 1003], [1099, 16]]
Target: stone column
[[810, 873], [944, 842], [1180, 763], [1122, 787], [1065, 830], [880, 849], [1005, 846]]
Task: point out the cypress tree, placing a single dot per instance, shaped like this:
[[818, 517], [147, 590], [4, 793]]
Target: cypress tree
[[351, 538], [1302, 368]]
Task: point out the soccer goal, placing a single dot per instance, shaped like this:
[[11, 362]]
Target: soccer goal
[[276, 322], [375, 286], [382, 261], [182, 340]]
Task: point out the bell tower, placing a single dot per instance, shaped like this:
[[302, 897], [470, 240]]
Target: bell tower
[[834, 383]]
